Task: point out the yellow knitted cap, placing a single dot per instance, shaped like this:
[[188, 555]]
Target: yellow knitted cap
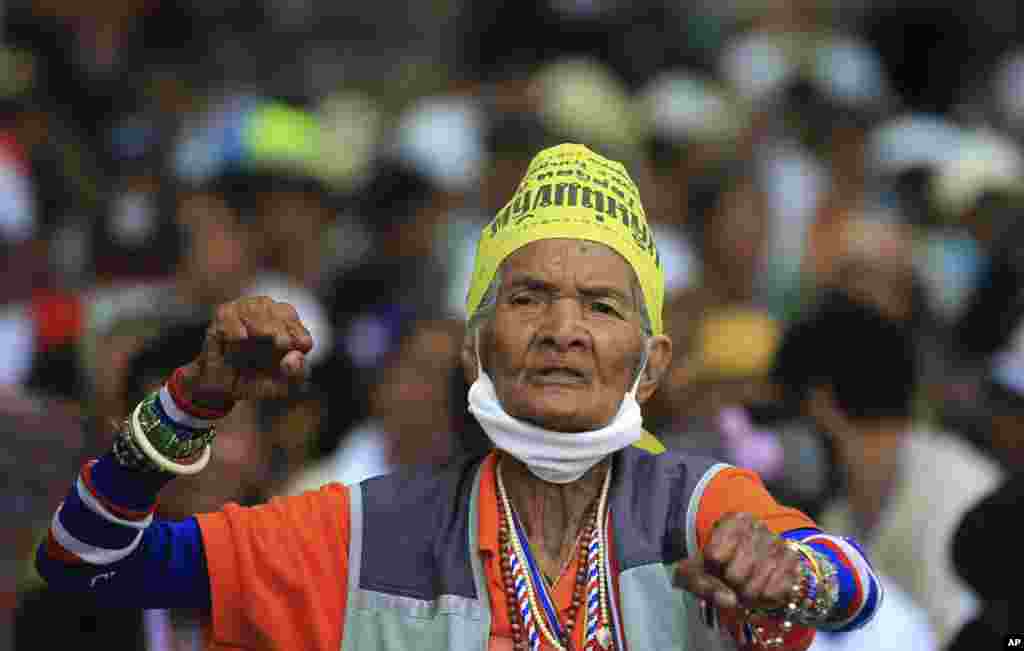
[[571, 192]]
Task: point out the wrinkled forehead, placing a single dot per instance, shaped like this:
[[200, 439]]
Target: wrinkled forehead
[[583, 261]]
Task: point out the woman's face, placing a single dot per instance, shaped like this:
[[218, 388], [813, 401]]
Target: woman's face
[[565, 342]]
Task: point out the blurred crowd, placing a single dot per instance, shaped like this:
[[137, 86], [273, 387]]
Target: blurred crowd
[[833, 185]]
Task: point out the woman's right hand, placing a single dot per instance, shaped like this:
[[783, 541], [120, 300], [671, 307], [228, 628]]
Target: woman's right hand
[[255, 348]]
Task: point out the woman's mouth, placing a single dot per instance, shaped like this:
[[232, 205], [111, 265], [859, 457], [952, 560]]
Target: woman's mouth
[[558, 375]]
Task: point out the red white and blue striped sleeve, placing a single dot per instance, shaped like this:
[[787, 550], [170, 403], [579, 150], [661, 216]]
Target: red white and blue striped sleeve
[[90, 528], [104, 542]]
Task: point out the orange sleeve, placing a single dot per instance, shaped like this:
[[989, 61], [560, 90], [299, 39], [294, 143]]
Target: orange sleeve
[[735, 490], [279, 572]]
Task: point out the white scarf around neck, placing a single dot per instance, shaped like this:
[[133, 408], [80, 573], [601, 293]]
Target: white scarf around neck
[[555, 457]]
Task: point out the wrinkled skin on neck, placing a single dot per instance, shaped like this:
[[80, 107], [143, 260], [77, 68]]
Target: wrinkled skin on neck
[[552, 514]]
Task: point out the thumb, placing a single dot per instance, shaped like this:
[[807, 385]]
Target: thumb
[[691, 575]]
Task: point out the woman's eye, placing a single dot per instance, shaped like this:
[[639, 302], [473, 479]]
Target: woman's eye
[[604, 308], [523, 299]]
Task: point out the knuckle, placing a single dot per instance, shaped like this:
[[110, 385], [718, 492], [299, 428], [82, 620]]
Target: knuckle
[[778, 549], [781, 587], [732, 517], [735, 573], [756, 583], [289, 311], [223, 311], [746, 523]]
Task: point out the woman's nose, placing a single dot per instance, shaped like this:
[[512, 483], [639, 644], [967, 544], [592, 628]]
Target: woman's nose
[[563, 325]]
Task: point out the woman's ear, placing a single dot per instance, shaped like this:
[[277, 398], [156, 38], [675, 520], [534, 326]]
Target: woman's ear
[[467, 355], [659, 356]]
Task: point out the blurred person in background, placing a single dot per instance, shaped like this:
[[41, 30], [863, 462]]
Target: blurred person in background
[[48, 191], [719, 399], [22, 131], [731, 226], [290, 204], [134, 240], [906, 153], [691, 125], [938, 54], [987, 534], [853, 365], [982, 535], [40, 440], [581, 99], [632, 38], [997, 413], [1003, 104], [409, 417], [815, 88], [308, 426], [979, 195], [419, 203], [218, 254], [443, 138], [96, 62], [843, 131], [511, 137], [403, 276], [832, 107], [269, 156], [23, 257], [723, 364]]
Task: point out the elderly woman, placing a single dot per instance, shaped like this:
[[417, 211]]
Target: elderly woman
[[577, 532]]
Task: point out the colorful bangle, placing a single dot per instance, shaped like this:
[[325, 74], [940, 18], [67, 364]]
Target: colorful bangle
[[812, 600], [150, 440], [818, 606], [190, 407]]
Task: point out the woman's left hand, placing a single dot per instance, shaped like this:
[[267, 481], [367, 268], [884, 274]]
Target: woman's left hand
[[743, 564]]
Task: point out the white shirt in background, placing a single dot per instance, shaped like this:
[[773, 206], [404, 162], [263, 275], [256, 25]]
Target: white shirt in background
[[899, 625], [363, 453]]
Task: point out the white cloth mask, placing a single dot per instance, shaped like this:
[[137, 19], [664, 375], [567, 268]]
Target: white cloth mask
[[555, 457]]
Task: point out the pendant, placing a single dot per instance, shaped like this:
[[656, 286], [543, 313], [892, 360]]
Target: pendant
[[603, 637]]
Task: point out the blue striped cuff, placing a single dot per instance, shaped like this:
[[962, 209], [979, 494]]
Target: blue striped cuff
[[91, 528], [135, 490], [847, 575], [847, 582]]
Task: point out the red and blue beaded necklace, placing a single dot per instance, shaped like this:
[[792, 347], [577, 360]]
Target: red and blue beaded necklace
[[532, 613]]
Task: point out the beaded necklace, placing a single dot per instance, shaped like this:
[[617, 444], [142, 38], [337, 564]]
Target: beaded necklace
[[532, 614]]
